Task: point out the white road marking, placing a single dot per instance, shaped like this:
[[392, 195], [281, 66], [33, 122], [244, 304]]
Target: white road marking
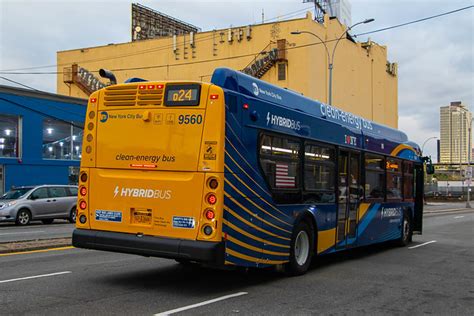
[[19, 233], [35, 276], [458, 216], [423, 244], [177, 310]]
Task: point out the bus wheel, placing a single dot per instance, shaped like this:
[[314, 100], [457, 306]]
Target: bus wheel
[[301, 250], [406, 233]]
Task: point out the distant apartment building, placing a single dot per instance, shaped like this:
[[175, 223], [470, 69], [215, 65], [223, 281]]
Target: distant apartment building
[[454, 133]]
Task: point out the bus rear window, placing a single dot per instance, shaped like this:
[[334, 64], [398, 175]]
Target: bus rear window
[[182, 95]]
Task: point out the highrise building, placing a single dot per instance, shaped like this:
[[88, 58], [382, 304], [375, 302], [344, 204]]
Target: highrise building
[[454, 133]]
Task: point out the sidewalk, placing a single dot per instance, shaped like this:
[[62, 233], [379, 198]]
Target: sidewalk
[[445, 207]]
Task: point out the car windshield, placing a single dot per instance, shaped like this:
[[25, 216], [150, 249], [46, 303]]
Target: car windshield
[[15, 194]]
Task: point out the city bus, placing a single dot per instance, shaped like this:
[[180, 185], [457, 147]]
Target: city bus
[[239, 172]]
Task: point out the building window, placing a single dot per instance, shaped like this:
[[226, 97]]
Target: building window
[[374, 177], [61, 140], [74, 175], [9, 136], [279, 159], [282, 71]]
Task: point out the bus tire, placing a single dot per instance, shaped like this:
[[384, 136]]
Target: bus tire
[[301, 249], [406, 231]]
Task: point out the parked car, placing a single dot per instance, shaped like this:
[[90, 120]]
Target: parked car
[[42, 202]]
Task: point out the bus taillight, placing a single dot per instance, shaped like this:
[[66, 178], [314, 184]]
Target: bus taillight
[[83, 191], [210, 214], [82, 205], [213, 183], [211, 199], [83, 177]]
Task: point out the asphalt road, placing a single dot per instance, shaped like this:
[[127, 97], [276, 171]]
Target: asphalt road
[[433, 278], [9, 232]]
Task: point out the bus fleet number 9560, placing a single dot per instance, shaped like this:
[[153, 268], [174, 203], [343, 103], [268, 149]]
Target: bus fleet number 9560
[[190, 119]]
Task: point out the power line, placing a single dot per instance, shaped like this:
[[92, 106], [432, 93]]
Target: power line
[[416, 21], [288, 14], [150, 50], [42, 113], [20, 84], [245, 55]]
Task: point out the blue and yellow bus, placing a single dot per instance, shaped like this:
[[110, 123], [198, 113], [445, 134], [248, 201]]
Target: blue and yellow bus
[[240, 172]]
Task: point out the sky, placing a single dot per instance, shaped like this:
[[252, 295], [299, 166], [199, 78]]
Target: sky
[[435, 57]]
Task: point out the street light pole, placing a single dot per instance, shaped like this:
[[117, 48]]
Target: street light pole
[[424, 143], [331, 57], [468, 204]]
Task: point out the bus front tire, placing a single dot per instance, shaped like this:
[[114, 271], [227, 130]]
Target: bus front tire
[[301, 250], [406, 230]]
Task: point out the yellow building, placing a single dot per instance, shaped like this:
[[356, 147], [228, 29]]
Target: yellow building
[[364, 82]]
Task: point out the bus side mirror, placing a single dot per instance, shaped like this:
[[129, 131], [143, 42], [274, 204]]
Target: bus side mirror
[[430, 169], [429, 165]]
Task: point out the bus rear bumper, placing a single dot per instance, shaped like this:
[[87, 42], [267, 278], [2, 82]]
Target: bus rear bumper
[[193, 250]]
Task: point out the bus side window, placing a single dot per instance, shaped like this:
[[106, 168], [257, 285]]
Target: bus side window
[[408, 181], [319, 174], [374, 177], [394, 179], [280, 162], [231, 102]]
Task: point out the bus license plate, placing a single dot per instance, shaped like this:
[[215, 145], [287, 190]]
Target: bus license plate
[[142, 217]]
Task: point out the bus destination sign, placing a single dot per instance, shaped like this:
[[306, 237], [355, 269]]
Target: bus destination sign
[[182, 95]]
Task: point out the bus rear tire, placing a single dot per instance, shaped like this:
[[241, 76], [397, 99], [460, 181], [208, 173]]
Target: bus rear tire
[[301, 250], [406, 231]]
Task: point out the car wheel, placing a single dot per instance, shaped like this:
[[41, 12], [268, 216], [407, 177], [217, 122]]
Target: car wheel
[[47, 221], [23, 217], [72, 216], [301, 249], [406, 231]]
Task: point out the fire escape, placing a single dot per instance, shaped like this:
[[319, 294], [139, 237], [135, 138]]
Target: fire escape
[[82, 78], [260, 66]]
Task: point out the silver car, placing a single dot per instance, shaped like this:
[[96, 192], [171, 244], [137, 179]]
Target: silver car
[[42, 202]]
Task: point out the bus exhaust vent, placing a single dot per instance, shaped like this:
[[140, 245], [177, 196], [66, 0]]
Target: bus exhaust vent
[[131, 95]]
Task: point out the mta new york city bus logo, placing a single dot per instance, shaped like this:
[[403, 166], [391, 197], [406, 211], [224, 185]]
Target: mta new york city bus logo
[[104, 116], [255, 89]]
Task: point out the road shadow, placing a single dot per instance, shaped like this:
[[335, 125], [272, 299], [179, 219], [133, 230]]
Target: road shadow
[[321, 262], [194, 279]]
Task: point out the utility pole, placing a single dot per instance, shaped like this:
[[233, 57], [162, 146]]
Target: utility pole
[[469, 170]]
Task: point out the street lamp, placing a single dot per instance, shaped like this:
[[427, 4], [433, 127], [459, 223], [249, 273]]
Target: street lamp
[[331, 57], [428, 139], [469, 170]]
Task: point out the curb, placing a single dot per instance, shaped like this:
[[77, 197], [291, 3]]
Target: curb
[[29, 245], [452, 210]]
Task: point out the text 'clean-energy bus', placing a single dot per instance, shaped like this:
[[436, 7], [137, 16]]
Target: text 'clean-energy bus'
[[240, 172]]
